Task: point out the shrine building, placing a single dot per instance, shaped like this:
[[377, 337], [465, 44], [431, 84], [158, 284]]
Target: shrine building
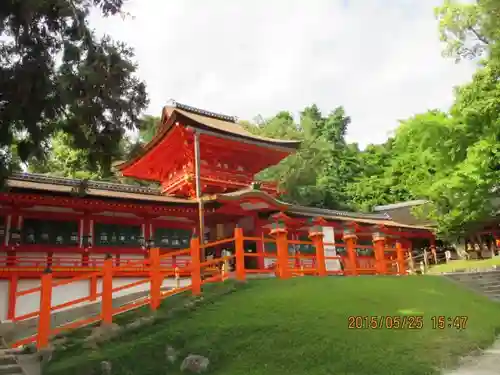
[[205, 164]]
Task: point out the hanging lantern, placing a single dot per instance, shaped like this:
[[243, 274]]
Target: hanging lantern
[[30, 238], [377, 236], [74, 237], [104, 238], [165, 241], [185, 241], [122, 238], [45, 237], [2, 231], [175, 240], [141, 241], [59, 239], [88, 241], [113, 238]]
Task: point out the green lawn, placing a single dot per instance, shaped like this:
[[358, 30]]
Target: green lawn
[[455, 265], [300, 326]]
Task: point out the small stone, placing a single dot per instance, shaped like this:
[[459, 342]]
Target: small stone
[[100, 334], [106, 368], [171, 354], [195, 363], [144, 321]]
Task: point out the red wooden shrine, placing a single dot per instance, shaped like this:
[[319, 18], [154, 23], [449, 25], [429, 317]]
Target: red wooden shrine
[[70, 225]]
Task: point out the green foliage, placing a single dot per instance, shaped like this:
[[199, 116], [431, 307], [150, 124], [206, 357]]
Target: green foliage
[[469, 30], [57, 75], [65, 160], [319, 172]]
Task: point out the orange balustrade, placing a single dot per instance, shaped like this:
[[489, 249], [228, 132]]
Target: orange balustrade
[[158, 266]]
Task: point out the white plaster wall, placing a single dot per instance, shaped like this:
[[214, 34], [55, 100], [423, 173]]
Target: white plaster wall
[[66, 259], [31, 259], [65, 293], [4, 295]]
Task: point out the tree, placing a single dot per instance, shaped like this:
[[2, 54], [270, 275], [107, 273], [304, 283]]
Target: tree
[[469, 30], [65, 160], [56, 75], [323, 146]]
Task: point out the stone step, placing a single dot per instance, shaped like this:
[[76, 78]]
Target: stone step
[[11, 370], [10, 351], [7, 360], [474, 277], [491, 289]]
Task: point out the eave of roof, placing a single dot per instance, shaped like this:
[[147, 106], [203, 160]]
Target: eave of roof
[[366, 218], [212, 122], [394, 206], [92, 188]]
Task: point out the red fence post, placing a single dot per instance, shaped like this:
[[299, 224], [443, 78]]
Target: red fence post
[[195, 267], [155, 278], [379, 249], [107, 291], [239, 254], [280, 234], [11, 309], [316, 235], [45, 310], [350, 239], [400, 256]]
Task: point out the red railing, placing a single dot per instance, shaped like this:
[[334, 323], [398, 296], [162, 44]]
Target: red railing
[[158, 266]]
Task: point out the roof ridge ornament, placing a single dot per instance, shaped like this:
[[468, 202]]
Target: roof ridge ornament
[[203, 112]]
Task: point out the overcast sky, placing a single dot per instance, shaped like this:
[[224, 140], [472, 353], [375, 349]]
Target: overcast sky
[[380, 59]]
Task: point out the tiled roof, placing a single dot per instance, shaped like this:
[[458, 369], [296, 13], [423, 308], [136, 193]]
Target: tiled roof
[[101, 185]]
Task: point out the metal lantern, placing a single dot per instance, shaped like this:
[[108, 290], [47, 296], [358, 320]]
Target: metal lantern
[[88, 241], [142, 242], [150, 243], [104, 238], [165, 241], [74, 237], [378, 236]]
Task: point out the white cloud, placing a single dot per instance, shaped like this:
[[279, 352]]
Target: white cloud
[[380, 59]]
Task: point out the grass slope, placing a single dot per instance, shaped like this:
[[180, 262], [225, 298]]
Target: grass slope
[[300, 326]]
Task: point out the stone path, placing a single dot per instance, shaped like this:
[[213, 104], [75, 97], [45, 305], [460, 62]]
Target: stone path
[[488, 363]]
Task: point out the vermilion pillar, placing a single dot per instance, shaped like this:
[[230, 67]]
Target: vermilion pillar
[[400, 256], [379, 250], [259, 232], [316, 235], [280, 233], [11, 308], [350, 239]]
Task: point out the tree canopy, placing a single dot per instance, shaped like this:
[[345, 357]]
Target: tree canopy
[[81, 107], [57, 75]]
